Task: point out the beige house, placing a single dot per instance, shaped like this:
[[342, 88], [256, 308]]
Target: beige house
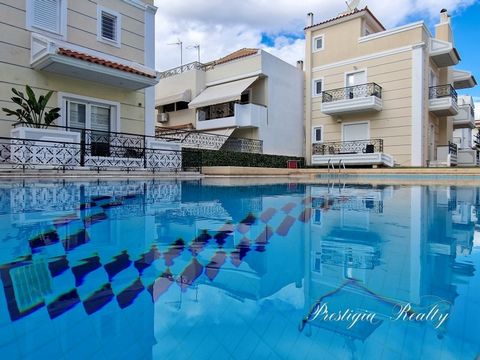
[[381, 97], [98, 56], [250, 98]]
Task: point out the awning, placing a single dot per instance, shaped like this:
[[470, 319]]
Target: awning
[[223, 93], [223, 132], [185, 96]]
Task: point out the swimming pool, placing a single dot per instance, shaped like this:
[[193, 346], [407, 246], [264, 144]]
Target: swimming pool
[[202, 270]]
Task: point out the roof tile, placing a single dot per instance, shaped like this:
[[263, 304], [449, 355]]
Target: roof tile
[[103, 62]]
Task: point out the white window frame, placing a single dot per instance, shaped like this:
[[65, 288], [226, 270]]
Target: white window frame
[[314, 88], [114, 120], [355, 122], [63, 21], [314, 43], [118, 33], [314, 140]]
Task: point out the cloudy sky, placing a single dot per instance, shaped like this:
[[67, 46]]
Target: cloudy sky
[[223, 26]]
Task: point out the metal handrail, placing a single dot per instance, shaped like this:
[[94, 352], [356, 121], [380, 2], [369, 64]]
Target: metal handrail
[[352, 92], [183, 68], [442, 91], [137, 141]]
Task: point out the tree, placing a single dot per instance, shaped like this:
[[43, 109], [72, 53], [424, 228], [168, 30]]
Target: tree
[[32, 111]]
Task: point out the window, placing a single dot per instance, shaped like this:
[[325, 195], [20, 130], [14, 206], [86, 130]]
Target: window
[[108, 26], [318, 43], [47, 16], [317, 134], [181, 105], [317, 87], [81, 114], [245, 97]]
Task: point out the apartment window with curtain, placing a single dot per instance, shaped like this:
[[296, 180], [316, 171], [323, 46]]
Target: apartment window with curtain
[[47, 16], [108, 26]]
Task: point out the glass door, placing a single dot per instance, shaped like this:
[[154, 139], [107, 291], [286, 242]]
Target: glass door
[[100, 126]]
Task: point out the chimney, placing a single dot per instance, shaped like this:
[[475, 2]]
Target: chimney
[[300, 64], [443, 30], [444, 17], [309, 19]]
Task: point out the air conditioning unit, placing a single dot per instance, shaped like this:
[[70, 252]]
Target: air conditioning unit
[[162, 118]]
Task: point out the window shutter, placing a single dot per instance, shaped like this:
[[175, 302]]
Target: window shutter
[[46, 15], [109, 26]]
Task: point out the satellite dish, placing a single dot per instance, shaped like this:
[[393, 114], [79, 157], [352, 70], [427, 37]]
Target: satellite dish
[[352, 5]]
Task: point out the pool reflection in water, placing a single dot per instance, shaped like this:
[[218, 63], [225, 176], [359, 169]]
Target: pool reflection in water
[[149, 269]]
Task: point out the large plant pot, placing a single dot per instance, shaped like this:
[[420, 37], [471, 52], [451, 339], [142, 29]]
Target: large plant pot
[[32, 147]]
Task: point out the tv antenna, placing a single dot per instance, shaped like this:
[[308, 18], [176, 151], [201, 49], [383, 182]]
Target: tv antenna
[[196, 46], [352, 5], [179, 43]]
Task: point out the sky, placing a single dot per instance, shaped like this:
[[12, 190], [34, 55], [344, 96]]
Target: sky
[[223, 26]]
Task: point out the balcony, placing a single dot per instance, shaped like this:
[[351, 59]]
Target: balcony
[[231, 115], [463, 79], [358, 152], [352, 99], [443, 100], [443, 53], [62, 58], [465, 117]]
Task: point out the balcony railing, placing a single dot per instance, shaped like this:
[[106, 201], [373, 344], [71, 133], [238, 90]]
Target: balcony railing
[[348, 147], [442, 91], [187, 67], [452, 148], [205, 140], [34, 153], [352, 92]]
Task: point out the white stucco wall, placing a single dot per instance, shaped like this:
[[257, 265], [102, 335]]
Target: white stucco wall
[[284, 131]]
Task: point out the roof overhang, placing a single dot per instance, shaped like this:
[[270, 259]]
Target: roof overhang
[[443, 53], [463, 79], [116, 72], [222, 93], [183, 96]]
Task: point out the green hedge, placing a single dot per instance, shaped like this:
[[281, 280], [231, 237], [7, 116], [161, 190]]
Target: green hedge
[[201, 157]]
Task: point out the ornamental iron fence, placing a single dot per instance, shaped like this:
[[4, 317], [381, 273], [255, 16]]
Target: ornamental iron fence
[[442, 91], [352, 92], [348, 147]]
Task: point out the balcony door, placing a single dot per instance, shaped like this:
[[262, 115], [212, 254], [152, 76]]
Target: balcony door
[[352, 80], [95, 117], [356, 131]]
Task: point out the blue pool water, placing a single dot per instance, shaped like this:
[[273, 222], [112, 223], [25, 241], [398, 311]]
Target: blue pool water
[[206, 270]]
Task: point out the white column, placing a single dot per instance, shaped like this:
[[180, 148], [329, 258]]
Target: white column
[[150, 62], [418, 71]]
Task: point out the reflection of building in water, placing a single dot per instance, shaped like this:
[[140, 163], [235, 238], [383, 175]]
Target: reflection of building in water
[[403, 252]]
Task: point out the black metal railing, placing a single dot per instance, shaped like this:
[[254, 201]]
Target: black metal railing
[[117, 144], [476, 139], [33, 153], [442, 91], [452, 148], [348, 147], [352, 92], [183, 68]]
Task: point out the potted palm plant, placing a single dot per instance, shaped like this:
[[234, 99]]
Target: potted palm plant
[[34, 120], [34, 129]]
